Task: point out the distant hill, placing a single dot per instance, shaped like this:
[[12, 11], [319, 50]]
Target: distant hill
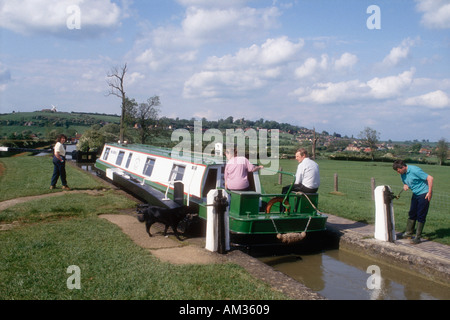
[[40, 123]]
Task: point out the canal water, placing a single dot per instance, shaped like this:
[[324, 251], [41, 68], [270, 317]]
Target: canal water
[[339, 274]]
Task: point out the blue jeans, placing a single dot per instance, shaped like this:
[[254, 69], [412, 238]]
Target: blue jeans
[[59, 170], [419, 208]]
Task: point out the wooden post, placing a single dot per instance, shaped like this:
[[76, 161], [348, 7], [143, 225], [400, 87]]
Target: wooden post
[[280, 177], [336, 186], [372, 185]]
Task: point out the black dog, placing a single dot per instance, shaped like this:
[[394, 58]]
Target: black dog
[[169, 217]]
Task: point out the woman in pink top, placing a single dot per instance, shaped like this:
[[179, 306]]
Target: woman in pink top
[[236, 172]]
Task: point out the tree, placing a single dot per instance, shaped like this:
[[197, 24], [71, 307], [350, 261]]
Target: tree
[[146, 115], [441, 151], [371, 137], [314, 144], [91, 140], [116, 83]]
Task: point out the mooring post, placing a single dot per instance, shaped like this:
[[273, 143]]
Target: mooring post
[[220, 206], [336, 186], [372, 185]]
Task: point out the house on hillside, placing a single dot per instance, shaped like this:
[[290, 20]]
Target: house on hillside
[[352, 148], [425, 151]]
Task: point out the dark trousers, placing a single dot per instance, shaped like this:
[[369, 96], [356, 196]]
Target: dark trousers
[[59, 170], [298, 188], [419, 208]]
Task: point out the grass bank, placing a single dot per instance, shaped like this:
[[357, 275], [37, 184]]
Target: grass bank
[[53, 233]]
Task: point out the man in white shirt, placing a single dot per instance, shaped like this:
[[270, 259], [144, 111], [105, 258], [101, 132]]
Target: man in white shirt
[[307, 177]]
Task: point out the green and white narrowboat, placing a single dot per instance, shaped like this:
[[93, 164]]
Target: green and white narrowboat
[[151, 173]]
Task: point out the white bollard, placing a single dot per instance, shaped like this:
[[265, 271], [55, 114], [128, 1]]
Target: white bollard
[[384, 215], [212, 222]]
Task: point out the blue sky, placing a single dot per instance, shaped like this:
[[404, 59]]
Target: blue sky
[[312, 63]]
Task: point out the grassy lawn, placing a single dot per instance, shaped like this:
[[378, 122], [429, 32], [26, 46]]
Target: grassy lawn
[[354, 199], [55, 233], [30, 176], [34, 261]]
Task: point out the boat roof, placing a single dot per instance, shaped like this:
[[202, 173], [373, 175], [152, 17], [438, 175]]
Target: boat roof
[[192, 157]]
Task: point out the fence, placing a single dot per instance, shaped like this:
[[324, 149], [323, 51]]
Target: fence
[[364, 190]]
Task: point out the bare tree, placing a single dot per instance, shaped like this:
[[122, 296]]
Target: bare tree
[[116, 83], [371, 137]]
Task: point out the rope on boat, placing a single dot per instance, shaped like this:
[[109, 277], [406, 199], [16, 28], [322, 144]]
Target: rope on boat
[[276, 230], [312, 204], [294, 237]]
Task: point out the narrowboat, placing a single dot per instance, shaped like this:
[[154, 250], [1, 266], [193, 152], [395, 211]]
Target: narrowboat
[[152, 174]]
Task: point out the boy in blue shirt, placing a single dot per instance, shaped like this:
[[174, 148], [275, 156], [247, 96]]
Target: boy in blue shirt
[[421, 185]]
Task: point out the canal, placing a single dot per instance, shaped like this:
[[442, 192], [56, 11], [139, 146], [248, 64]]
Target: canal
[[338, 274]]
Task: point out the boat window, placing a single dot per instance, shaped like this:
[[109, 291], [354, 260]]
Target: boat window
[[148, 168], [210, 181], [129, 160], [177, 173], [105, 156], [120, 158]]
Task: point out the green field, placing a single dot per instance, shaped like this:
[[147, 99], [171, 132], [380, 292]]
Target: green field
[[42, 123]]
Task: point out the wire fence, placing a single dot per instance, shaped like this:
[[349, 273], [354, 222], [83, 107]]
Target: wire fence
[[364, 190]]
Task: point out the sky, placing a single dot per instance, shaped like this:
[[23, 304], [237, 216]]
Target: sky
[[333, 65]]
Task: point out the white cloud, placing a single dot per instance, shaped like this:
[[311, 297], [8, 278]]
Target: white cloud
[[434, 100], [353, 90], [135, 77], [272, 52], [347, 60], [325, 93], [315, 68], [206, 23], [436, 13], [47, 16], [311, 66], [227, 24], [249, 69], [399, 53], [389, 87]]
